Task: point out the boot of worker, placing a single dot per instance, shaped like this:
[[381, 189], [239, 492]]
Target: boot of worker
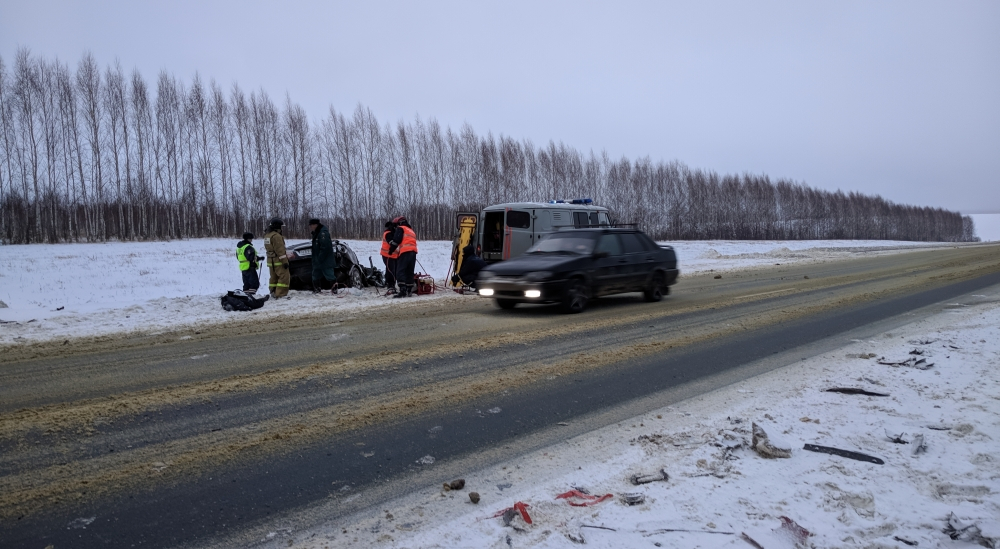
[[404, 291]]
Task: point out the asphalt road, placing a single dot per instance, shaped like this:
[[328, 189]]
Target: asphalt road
[[212, 439]]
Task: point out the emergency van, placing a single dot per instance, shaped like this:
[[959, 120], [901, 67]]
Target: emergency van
[[504, 231]]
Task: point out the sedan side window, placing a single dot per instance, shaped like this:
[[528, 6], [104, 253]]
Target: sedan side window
[[609, 243], [632, 243]]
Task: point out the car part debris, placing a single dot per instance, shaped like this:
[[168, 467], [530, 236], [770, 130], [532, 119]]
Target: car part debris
[[789, 530], [646, 479], [763, 446], [919, 446], [509, 513], [898, 439], [912, 362], [750, 540], [646, 534], [843, 453], [474, 497], [904, 540], [855, 391], [958, 529], [587, 498], [633, 498]]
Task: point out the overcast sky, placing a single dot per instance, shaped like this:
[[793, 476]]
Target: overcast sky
[[900, 99]]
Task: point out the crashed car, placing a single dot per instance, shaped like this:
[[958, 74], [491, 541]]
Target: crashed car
[[349, 271], [573, 266]]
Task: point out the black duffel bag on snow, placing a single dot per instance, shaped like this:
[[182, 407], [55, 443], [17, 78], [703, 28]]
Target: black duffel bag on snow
[[236, 300]]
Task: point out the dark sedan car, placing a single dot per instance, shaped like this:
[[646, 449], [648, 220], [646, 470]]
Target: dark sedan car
[[349, 271], [571, 267]]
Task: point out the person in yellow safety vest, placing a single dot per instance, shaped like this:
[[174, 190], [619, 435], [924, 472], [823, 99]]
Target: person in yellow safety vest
[[389, 260], [404, 245], [247, 256], [277, 260]]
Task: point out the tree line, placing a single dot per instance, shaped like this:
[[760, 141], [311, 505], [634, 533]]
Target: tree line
[[97, 154]]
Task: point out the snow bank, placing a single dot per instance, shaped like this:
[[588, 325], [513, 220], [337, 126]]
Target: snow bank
[[720, 491], [55, 291]]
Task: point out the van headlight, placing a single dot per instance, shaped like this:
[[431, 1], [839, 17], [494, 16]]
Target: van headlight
[[538, 276]]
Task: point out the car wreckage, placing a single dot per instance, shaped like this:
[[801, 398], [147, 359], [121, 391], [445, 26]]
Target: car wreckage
[[350, 272]]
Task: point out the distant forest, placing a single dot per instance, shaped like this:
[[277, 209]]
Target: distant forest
[[96, 154]]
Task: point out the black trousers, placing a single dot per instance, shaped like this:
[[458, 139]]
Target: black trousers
[[250, 281], [390, 271], [405, 264]]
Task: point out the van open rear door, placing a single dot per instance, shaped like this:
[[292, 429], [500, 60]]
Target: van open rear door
[[467, 223]]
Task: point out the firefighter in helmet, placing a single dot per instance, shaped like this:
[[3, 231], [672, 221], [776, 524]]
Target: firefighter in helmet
[[277, 259]]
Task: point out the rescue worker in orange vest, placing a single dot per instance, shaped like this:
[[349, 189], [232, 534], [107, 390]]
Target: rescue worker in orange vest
[[389, 260], [404, 245], [277, 259]]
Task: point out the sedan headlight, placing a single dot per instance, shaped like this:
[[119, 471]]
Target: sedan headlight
[[538, 276]]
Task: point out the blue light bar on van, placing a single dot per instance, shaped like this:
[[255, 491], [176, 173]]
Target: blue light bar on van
[[583, 201]]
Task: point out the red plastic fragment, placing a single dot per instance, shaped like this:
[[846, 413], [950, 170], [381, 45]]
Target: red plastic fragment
[[792, 528], [588, 499], [520, 508]]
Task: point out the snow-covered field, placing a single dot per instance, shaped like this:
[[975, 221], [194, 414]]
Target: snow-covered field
[[719, 492], [57, 291]]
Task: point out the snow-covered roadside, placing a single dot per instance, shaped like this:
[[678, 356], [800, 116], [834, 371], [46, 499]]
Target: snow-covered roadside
[[62, 291], [720, 492]]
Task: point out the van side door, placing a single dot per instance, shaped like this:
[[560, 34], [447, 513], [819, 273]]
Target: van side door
[[519, 233]]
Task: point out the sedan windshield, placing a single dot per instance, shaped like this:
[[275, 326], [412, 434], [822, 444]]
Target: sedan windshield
[[564, 243]]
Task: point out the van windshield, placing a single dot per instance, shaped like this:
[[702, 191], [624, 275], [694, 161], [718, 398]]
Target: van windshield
[[564, 243]]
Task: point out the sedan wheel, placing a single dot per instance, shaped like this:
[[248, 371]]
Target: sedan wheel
[[655, 290], [576, 297], [357, 281]]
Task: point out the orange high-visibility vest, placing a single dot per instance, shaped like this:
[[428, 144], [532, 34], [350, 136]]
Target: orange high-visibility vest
[[385, 244], [409, 243]]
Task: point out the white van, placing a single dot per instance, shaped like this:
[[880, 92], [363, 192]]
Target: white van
[[508, 230]]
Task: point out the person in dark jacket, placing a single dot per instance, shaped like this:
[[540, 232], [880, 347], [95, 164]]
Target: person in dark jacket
[[404, 245], [471, 265], [324, 260], [247, 256]]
